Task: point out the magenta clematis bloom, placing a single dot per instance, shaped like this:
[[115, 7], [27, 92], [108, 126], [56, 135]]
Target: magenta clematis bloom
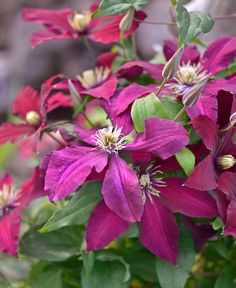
[[221, 157], [12, 204], [31, 109], [99, 82], [67, 24], [216, 58], [70, 167], [158, 229]]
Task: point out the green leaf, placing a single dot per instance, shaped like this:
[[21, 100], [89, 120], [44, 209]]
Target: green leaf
[[183, 21], [171, 276], [112, 7], [227, 278], [146, 107], [6, 150], [105, 275], [186, 160], [48, 280], [53, 246], [78, 210], [217, 224]]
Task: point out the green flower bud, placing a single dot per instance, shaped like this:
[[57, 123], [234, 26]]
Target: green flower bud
[[172, 66]]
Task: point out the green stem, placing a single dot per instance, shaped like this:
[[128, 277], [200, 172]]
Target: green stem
[[122, 44], [181, 112], [88, 120], [163, 83], [89, 47], [55, 139], [134, 46]]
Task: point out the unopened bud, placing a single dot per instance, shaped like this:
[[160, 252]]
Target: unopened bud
[[191, 97], [172, 66], [127, 21], [232, 119], [33, 118], [226, 162]]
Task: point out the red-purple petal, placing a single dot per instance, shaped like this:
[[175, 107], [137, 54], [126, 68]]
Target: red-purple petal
[[227, 184], [104, 226], [121, 190], [159, 231], [68, 169], [187, 201]]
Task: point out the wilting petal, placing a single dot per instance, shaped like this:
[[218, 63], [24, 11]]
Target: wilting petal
[[103, 227], [187, 201], [129, 94], [9, 233], [110, 32], [121, 190], [162, 137], [26, 100], [219, 54], [137, 67], [105, 90], [13, 132], [68, 169], [159, 231], [191, 54], [227, 184], [207, 130], [203, 177]]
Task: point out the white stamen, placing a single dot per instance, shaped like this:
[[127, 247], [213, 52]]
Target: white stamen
[[92, 78]]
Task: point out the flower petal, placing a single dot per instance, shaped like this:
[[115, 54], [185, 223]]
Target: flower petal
[[121, 190], [203, 177], [159, 231], [227, 184], [68, 169], [162, 138], [187, 201], [104, 226]]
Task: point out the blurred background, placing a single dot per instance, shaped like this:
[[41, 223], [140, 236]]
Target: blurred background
[[20, 64]]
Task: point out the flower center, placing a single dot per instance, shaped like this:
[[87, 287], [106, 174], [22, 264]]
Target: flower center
[[92, 78], [110, 139], [225, 162], [187, 76], [7, 199], [79, 21], [33, 118], [150, 181]]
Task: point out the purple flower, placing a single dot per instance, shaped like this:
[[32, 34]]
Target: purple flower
[[69, 168], [158, 229]]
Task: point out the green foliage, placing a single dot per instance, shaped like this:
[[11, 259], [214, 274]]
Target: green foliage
[[6, 151], [217, 224], [191, 25], [48, 280], [77, 211], [171, 276], [53, 246], [112, 7], [227, 278], [186, 160]]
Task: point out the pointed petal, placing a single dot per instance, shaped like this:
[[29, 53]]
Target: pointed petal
[[121, 190], [129, 94], [68, 169], [219, 54], [106, 59], [187, 201], [203, 177], [105, 90], [207, 130], [162, 138], [227, 184], [159, 231], [26, 100], [9, 233], [13, 132], [104, 226]]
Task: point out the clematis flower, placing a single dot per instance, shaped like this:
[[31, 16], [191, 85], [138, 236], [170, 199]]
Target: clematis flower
[[194, 68], [161, 197], [12, 204], [31, 109], [67, 24], [221, 158], [70, 167]]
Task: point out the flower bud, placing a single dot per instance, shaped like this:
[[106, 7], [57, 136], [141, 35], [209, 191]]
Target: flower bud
[[76, 98], [33, 118], [232, 119], [191, 97], [127, 21], [172, 66], [226, 162]]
